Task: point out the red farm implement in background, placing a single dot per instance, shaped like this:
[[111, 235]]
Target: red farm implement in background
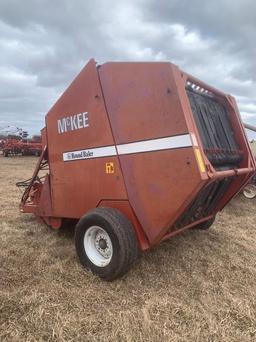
[[136, 153], [14, 147], [11, 147], [2, 143]]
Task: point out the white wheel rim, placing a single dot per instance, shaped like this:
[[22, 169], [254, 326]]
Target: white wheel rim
[[98, 246], [250, 191]]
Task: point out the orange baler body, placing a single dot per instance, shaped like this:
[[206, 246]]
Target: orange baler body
[[124, 135]]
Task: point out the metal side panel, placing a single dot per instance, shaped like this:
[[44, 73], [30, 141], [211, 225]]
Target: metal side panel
[[155, 149], [81, 174]]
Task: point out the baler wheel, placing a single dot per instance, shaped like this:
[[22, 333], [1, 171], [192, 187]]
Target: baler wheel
[[206, 224], [106, 242], [250, 191]]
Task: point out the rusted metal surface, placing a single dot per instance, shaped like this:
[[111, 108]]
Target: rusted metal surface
[[125, 135]]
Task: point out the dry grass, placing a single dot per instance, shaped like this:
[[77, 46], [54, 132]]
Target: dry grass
[[197, 287]]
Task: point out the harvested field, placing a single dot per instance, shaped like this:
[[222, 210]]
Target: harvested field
[[199, 286]]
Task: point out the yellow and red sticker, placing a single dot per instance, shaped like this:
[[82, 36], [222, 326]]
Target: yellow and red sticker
[[110, 167]]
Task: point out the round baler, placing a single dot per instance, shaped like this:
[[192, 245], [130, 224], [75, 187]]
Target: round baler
[[136, 153]]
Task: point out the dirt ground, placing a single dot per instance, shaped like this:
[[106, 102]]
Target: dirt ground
[[200, 286]]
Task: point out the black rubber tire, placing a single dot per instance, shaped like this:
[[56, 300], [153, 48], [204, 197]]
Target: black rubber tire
[[205, 225], [6, 154], [123, 238]]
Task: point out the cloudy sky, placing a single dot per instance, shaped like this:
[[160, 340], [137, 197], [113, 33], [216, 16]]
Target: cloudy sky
[[45, 43]]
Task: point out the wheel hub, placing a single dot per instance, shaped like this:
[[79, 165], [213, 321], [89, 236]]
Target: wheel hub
[[103, 244], [98, 246]]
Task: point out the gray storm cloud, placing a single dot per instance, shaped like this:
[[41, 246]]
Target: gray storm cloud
[[44, 44]]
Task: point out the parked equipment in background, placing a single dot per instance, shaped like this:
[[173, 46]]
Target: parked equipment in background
[[14, 147], [11, 147], [14, 141], [136, 153], [249, 191]]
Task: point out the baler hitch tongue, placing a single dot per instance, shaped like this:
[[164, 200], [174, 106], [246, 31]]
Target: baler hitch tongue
[[33, 186]]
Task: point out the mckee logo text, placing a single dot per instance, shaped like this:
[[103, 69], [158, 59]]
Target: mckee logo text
[[73, 122]]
